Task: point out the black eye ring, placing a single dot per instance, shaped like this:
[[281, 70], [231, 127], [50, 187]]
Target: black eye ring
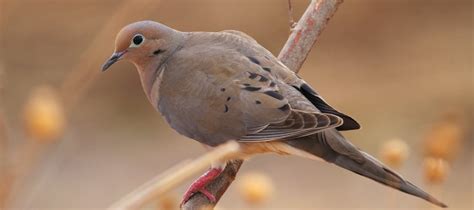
[[138, 39]]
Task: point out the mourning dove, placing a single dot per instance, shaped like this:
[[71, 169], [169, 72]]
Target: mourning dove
[[214, 87]]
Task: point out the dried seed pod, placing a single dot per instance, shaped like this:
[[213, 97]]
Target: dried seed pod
[[436, 170], [44, 115], [443, 140], [255, 188], [394, 152]]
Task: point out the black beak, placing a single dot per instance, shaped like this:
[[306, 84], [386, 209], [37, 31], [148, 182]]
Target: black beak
[[114, 58]]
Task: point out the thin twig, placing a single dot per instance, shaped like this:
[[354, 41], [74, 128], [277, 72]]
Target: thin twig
[[291, 20], [175, 176], [5, 182], [5, 178], [293, 55]]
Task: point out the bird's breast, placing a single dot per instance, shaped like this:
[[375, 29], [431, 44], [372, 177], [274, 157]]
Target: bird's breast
[[195, 105]]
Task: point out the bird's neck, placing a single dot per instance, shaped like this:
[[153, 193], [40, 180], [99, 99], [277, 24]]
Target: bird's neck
[[150, 77], [151, 69]]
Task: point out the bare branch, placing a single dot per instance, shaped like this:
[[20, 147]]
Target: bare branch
[[293, 55], [306, 32]]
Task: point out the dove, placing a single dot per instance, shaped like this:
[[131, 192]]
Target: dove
[[215, 87]]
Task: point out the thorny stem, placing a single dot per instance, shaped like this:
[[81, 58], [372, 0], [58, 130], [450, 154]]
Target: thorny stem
[[293, 55]]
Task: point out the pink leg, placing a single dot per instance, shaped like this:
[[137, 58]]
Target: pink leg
[[199, 185]]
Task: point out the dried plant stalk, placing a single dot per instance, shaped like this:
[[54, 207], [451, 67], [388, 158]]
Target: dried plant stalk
[[175, 176], [5, 182], [81, 76], [85, 71]]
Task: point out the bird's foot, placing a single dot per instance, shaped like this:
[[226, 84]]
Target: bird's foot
[[199, 185]]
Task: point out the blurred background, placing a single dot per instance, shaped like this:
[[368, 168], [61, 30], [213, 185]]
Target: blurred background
[[74, 138]]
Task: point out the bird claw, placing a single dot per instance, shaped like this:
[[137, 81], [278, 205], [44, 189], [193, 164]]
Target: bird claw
[[200, 184], [205, 192]]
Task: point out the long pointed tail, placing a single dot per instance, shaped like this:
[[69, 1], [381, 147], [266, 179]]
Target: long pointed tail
[[334, 148], [373, 169]]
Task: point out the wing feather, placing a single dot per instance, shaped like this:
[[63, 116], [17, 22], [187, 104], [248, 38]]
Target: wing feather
[[298, 124]]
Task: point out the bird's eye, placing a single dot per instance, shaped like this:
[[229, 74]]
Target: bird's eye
[[137, 40]]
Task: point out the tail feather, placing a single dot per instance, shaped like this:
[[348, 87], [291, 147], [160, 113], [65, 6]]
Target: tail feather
[[376, 171], [334, 148]]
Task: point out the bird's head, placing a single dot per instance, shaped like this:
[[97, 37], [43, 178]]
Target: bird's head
[[142, 42]]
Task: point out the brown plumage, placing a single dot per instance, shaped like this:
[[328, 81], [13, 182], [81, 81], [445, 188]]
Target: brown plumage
[[219, 86]]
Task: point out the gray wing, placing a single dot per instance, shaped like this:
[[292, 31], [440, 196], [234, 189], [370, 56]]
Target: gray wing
[[225, 94], [285, 112], [270, 63], [267, 113]]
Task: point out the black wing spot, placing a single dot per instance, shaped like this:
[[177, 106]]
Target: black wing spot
[[226, 108], [222, 89], [267, 69], [246, 84], [228, 98], [263, 79], [252, 75], [284, 108], [250, 88], [274, 94], [254, 60], [158, 51], [258, 102], [272, 84]]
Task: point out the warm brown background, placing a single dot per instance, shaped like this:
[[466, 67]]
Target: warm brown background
[[395, 65]]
